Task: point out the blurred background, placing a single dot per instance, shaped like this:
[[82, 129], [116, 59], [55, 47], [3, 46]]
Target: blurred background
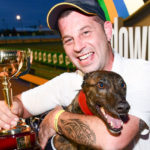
[[24, 13], [23, 25]]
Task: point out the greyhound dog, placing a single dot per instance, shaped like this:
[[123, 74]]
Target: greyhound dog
[[104, 93]]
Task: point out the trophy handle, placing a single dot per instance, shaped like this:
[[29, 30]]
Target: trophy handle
[[19, 68], [7, 90], [29, 61]]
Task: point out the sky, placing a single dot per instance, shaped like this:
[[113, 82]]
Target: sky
[[32, 12]]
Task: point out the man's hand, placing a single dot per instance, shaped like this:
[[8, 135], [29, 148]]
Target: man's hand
[[47, 129], [9, 118]]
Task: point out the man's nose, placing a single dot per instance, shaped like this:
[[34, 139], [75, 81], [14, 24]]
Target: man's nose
[[78, 45]]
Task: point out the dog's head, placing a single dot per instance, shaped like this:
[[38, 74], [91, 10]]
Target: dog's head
[[106, 97]]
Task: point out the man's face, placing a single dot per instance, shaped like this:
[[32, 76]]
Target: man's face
[[84, 41]]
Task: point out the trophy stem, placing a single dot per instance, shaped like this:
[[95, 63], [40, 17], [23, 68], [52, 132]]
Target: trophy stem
[[7, 91]]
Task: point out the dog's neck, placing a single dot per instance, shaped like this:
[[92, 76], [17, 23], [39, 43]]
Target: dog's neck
[[82, 103]]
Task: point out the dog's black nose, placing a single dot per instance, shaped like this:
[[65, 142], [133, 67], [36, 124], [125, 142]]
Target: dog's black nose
[[122, 107]]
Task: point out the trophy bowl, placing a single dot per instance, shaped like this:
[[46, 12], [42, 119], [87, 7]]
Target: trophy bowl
[[21, 136]]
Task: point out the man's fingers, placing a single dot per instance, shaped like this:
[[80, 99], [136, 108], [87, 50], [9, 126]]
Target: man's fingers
[[7, 118], [44, 134], [42, 139], [43, 143], [7, 123], [4, 125]]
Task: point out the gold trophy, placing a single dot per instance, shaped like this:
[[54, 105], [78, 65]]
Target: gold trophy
[[21, 136]]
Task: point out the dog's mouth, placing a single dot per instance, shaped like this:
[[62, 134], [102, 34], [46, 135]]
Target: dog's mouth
[[114, 125]]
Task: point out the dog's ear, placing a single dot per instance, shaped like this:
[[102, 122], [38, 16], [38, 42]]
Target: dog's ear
[[86, 76], [83, 84], [84, 80]]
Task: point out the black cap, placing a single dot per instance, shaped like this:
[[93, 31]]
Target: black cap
[[88, 7]]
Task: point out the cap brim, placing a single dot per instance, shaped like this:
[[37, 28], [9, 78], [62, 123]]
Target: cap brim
[[56, 10]]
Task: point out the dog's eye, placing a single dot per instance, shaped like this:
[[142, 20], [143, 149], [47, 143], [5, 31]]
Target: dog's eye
[[100, 85], [123, 85]]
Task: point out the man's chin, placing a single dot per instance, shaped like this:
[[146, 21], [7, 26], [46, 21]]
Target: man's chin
[[88, 69]]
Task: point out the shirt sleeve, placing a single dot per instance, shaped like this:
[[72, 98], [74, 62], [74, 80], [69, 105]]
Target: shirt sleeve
[[61, 90]]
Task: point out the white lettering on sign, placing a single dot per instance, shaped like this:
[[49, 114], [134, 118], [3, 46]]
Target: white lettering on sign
[[131, 42], [123, 42]]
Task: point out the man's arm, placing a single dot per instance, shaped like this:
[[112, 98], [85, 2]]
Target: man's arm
[[22, 111], [90, 130], [87, 130]]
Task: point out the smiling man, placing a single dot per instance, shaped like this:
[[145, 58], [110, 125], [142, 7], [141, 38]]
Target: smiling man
[[85, 47], [86, 39]]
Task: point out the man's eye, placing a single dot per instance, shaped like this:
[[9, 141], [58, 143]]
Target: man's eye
[[67, 41], [86, 32]]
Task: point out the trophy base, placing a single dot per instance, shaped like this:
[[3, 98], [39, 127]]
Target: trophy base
[[20, 137]]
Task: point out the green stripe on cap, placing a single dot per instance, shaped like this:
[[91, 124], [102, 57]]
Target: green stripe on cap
[[103, 6]]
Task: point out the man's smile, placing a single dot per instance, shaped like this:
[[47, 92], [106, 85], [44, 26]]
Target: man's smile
[[85, 56]]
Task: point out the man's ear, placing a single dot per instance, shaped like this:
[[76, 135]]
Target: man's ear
[[108, 29]]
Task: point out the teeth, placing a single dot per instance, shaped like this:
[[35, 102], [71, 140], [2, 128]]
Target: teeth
[[85, 56], [103, 111], [111, 123]]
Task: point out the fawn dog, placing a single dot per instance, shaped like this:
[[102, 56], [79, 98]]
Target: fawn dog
[[105, 96]]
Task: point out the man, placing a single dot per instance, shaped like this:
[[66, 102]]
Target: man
[[86, 39]]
